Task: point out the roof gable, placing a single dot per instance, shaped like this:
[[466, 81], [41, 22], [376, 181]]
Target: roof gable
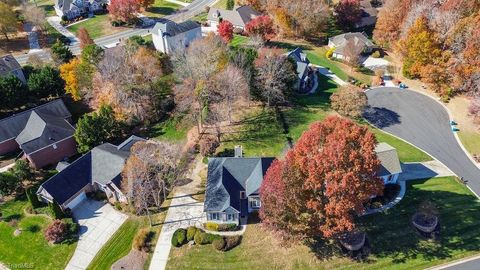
[[390, 164], [171, 28], [8, 63]]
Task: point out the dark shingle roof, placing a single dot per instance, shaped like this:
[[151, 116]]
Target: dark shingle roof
[[103, 165], [171, 28], [52, 113], [301, 60], [239, 17], [228, 176], [8, 63], [359, 39]]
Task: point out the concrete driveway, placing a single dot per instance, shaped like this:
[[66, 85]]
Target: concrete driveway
[[98, 222], [184, 211], [423, 122]]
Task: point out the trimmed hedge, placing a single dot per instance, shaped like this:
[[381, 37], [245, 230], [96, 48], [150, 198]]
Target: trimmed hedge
[[222, 227], [191, 233], [211, 226], [179, 237], [219, 244]]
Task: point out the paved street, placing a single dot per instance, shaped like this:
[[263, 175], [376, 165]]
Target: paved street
[[98, 222], [423, 122]]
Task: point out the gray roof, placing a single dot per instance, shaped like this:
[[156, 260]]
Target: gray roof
[[240, 16], [38, 127], [171, 28], [389, 159], [103, 165], [302, 62], [228, 176], [8, 63], [340, 41]]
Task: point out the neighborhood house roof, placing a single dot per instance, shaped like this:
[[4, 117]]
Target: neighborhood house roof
[[171, 28], [102, 165], [238, 17], [38, 127], [228, 176], [389, 159], [8, 63], [302, 62], [340, 41]]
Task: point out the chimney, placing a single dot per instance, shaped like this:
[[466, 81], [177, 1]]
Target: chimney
[[238, 151]]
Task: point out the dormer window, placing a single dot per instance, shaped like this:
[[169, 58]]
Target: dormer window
[[243, 195]]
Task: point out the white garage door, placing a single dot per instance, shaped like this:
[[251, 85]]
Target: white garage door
[[77, 200]]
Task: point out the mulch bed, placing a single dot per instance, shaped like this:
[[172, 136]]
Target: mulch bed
[[133, 261]]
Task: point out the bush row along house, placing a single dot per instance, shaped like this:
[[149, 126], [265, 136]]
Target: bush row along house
[[44, 134], [71, 9], [233, 183], [98, 170]]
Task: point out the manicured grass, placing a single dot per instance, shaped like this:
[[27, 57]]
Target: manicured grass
[[121, 242], [97, 26], [471, 141], [161, 8], [238, 40], [394, 242], [221, 4], [30, 247], [118, 246], [46, 5], [172, 129], [406, 152]]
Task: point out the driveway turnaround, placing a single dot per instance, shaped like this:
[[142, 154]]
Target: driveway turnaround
[[184, 211], [423, 122], [98, 222]]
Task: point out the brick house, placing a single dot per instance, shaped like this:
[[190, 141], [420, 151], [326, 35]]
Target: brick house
[[44, 134]]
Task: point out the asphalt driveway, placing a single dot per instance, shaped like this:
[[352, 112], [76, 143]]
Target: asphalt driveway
[[98, 222], [423, 122]]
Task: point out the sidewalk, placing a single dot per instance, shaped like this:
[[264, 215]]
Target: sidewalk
[[54, 21], [324, 71]]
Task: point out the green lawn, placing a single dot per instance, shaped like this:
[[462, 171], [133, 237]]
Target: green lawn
[[161, 8], [30, 246], [221, 4], [238, 40], [46, 5], [471, 141], [395, 244], [172, 129], [97, 26]]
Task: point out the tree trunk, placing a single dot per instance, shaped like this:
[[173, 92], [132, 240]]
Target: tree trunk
[[6, 36]]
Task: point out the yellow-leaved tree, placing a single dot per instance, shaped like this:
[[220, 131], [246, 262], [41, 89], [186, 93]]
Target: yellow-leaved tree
[[68, 72]]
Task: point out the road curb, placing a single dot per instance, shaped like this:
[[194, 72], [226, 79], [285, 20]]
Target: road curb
[[450, 264]]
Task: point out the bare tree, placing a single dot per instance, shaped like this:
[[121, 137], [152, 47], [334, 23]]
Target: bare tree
[[35, 16], [149, 174], [352, 52]]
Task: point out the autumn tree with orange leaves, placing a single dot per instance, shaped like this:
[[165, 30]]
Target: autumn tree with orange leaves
[[225, 30], [322, 184]]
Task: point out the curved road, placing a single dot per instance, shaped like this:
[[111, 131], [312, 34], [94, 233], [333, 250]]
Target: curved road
[[423, 122]]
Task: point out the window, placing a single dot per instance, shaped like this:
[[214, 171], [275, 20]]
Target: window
[[242, 195], [54, 146], [230, 217], [389, 179], [214, 216], [255, 203]]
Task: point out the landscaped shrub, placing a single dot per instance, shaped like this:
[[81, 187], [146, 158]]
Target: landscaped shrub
[[232, 241], [376, 54], [56, 210], [191, 233], [209, 237], [200, 238], [228, 227], [143, 239], [329, 53], [219, 243], [56, 231], [32, 198], [181, 236], [211, 226], [72, 226]]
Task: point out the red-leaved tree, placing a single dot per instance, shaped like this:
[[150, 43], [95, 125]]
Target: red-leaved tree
[[56, 231], [225, 30], [261, 26], [324, 181], [347, 13], [84, 37], [124, 10]]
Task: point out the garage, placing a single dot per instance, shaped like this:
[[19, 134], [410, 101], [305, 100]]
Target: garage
[[82, 196]]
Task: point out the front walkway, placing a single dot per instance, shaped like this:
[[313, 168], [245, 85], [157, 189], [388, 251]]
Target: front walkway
[[6, 168], [54, 21], [98, 222], [324, 71], [184, 211]]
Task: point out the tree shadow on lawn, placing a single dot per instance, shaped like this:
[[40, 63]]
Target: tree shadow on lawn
[[289, 46], [393, 236]]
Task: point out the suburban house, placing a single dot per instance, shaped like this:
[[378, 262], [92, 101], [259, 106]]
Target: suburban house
[[98, 170], [10, 66], [169, 36], [44, 134], [305, 72], [72, 9], [342, 42], [232, 190], [369, 14], [233, 183], [390, 167], [239, 17]]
